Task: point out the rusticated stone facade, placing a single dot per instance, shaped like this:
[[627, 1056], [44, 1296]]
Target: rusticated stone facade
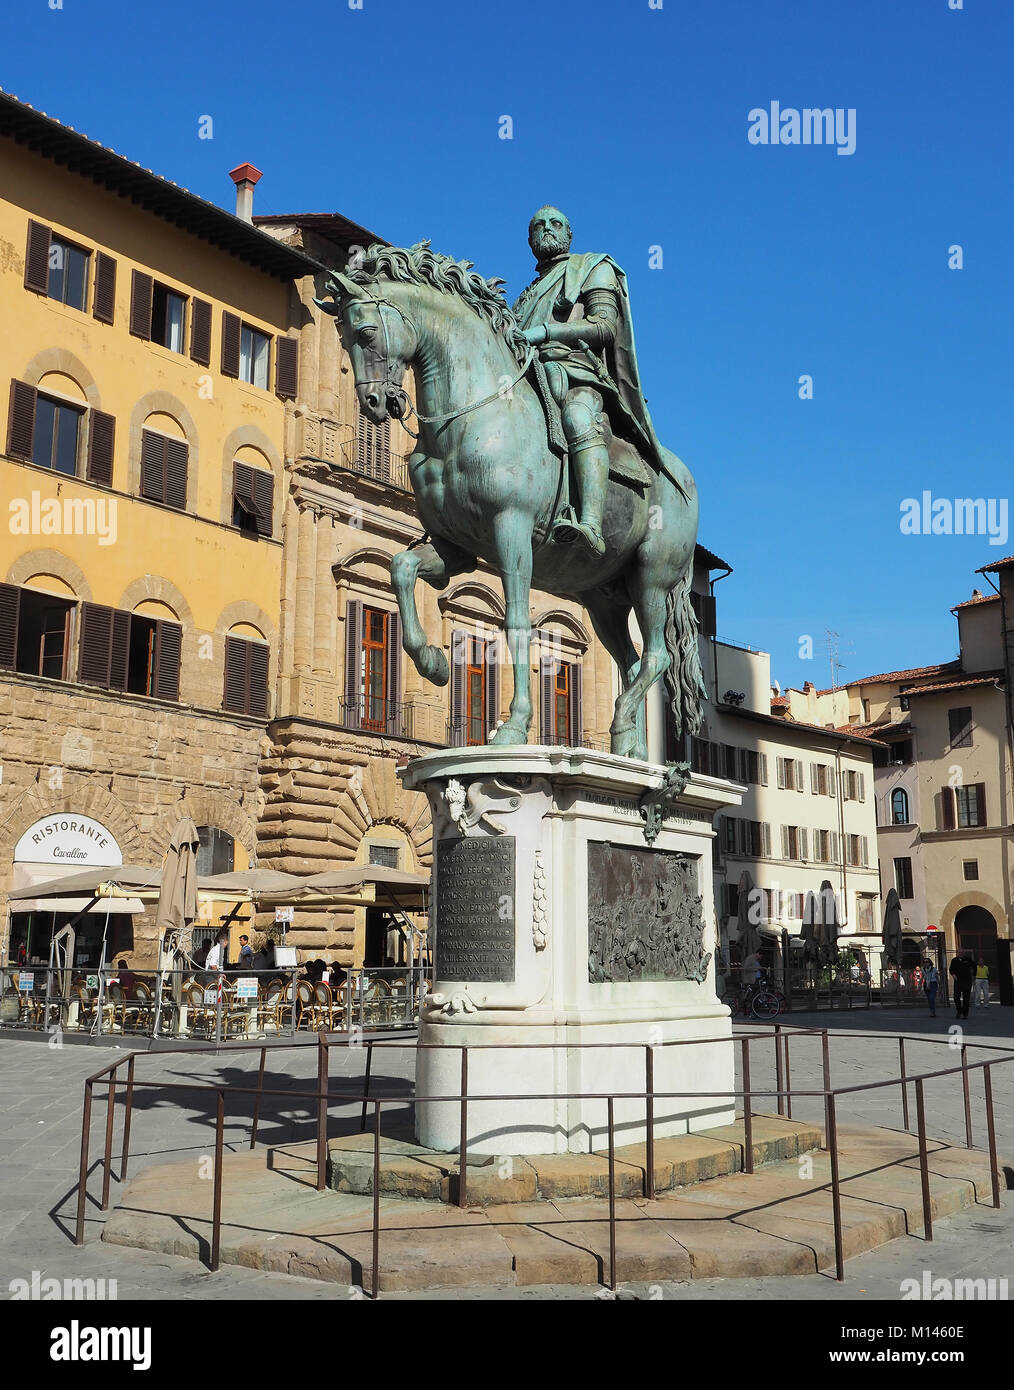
[[134, 764]]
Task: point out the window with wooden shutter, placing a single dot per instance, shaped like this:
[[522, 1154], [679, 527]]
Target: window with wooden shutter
[[766, 840], [10, 601], [230, 344], [353, 649], [252, 498], [373, 665], [164, 469], [547, 668], [947, 808], [200, 332], [459, 663], [781, 773], [101, 440], [960, 726], [246, 677], [141, 286], [104, 646], [803, 844], [286, 367], [21, 421], [798, 779], [37, 258], [104, 294]]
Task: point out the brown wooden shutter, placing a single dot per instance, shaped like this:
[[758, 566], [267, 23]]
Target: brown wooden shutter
[[286, 367], [10, 606], [353, 648], [104, 296], [140, 304], [491, 664], [168, 644], [459, 663], [242, 486], [576, 710], [257, 680], [104, 647], [153, 465], [21, 421], [235, 694], [263, 494], [230, 345], [546, 673], [200, 332], [980, 803], [947, 806], [176, 452], [395, 722], [37, 258], [101, 440], [708, 623]]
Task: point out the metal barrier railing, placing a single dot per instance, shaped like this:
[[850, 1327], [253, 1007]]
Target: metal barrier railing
[[320, 1099], [212, 1006]]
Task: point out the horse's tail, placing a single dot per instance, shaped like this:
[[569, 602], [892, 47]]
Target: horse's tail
[[685, 677]]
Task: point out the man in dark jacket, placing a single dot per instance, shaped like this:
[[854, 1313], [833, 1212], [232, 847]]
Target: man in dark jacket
[[962, 969]]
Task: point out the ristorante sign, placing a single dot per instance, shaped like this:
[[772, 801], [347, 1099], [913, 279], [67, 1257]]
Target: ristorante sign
[[68, 839]]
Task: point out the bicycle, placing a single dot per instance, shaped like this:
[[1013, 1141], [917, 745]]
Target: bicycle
[[758, 1000]]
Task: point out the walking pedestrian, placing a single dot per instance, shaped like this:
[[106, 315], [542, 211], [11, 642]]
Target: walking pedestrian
[[930, 984], [962, 969], [982, 983]]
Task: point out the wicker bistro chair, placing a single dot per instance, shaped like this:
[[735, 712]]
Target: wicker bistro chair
[[328, 1008], [272, 1000], [377, 1004], [143, 1007], [306, 1005], [201, 1016]]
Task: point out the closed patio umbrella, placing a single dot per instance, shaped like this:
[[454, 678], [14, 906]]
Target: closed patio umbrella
[[892, 927], [830, 922], [177, 904], [811, 927], [746, 909]]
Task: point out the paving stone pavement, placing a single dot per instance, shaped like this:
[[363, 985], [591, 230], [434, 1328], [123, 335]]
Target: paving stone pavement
[[41, 1091]]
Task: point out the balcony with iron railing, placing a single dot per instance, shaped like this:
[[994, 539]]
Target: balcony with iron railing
[[340, 446]]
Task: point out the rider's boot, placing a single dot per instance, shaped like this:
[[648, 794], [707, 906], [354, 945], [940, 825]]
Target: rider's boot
[[591, 470]]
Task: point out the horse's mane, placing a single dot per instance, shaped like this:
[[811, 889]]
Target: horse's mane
[[418, 265]]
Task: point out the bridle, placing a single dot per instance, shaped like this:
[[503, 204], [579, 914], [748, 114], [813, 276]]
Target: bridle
[[394, 388]]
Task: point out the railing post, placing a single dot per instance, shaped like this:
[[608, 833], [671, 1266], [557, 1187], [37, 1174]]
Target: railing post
[[128, 1110], [831, 1120], [612, 1194], [987, 1085], [788, 1079], [779, 1074], [323, 1080], [216, 1210], [107, 1162], [747, 1112], [376, 1200], [967, 1096], [257, 1097], [920, 1112], [463, 1144], [649, 1121], [904, 1085], [366, 1086], [82, 1183]]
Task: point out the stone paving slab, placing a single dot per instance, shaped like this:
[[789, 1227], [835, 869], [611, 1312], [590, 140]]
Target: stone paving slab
[[736, 1225]]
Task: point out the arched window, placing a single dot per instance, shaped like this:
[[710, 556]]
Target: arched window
[[899, 806], [217, 852]]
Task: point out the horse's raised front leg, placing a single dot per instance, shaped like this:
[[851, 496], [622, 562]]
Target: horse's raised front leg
[[513, 537], [435, 562]]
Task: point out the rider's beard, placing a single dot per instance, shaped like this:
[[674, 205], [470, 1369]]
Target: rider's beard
[[546, 245]]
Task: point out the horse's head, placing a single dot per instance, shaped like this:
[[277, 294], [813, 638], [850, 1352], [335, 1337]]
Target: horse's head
[[380, 341]]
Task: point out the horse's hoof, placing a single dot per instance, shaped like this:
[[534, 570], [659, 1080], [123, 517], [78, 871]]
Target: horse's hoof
[[510, 734], [432, 664], [626, 745]]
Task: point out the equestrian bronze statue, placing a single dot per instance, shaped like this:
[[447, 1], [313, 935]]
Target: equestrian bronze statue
[[535, 452]]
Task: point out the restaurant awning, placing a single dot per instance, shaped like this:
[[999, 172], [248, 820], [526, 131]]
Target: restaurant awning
[[68, 888], [358, 884]]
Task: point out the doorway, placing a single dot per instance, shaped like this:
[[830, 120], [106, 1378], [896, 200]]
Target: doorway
[[975, 931]]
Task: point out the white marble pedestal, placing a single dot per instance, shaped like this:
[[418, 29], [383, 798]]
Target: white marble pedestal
[[566, 926]]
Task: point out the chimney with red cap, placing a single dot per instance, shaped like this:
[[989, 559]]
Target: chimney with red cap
[[244, 176]]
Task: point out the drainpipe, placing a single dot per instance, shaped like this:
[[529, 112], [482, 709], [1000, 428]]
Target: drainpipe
[[714, 637], [841, 834], [1005, 811]]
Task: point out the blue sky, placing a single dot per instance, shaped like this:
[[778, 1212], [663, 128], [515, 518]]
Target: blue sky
[[778, 261]]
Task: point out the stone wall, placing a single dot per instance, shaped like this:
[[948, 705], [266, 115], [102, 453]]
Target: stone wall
[[135, 764]]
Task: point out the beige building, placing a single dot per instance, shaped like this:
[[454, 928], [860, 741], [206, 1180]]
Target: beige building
[[807, 814], [943, 783]]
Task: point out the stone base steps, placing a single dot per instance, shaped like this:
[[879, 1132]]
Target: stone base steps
[[411, 1171], [775, 1221]]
